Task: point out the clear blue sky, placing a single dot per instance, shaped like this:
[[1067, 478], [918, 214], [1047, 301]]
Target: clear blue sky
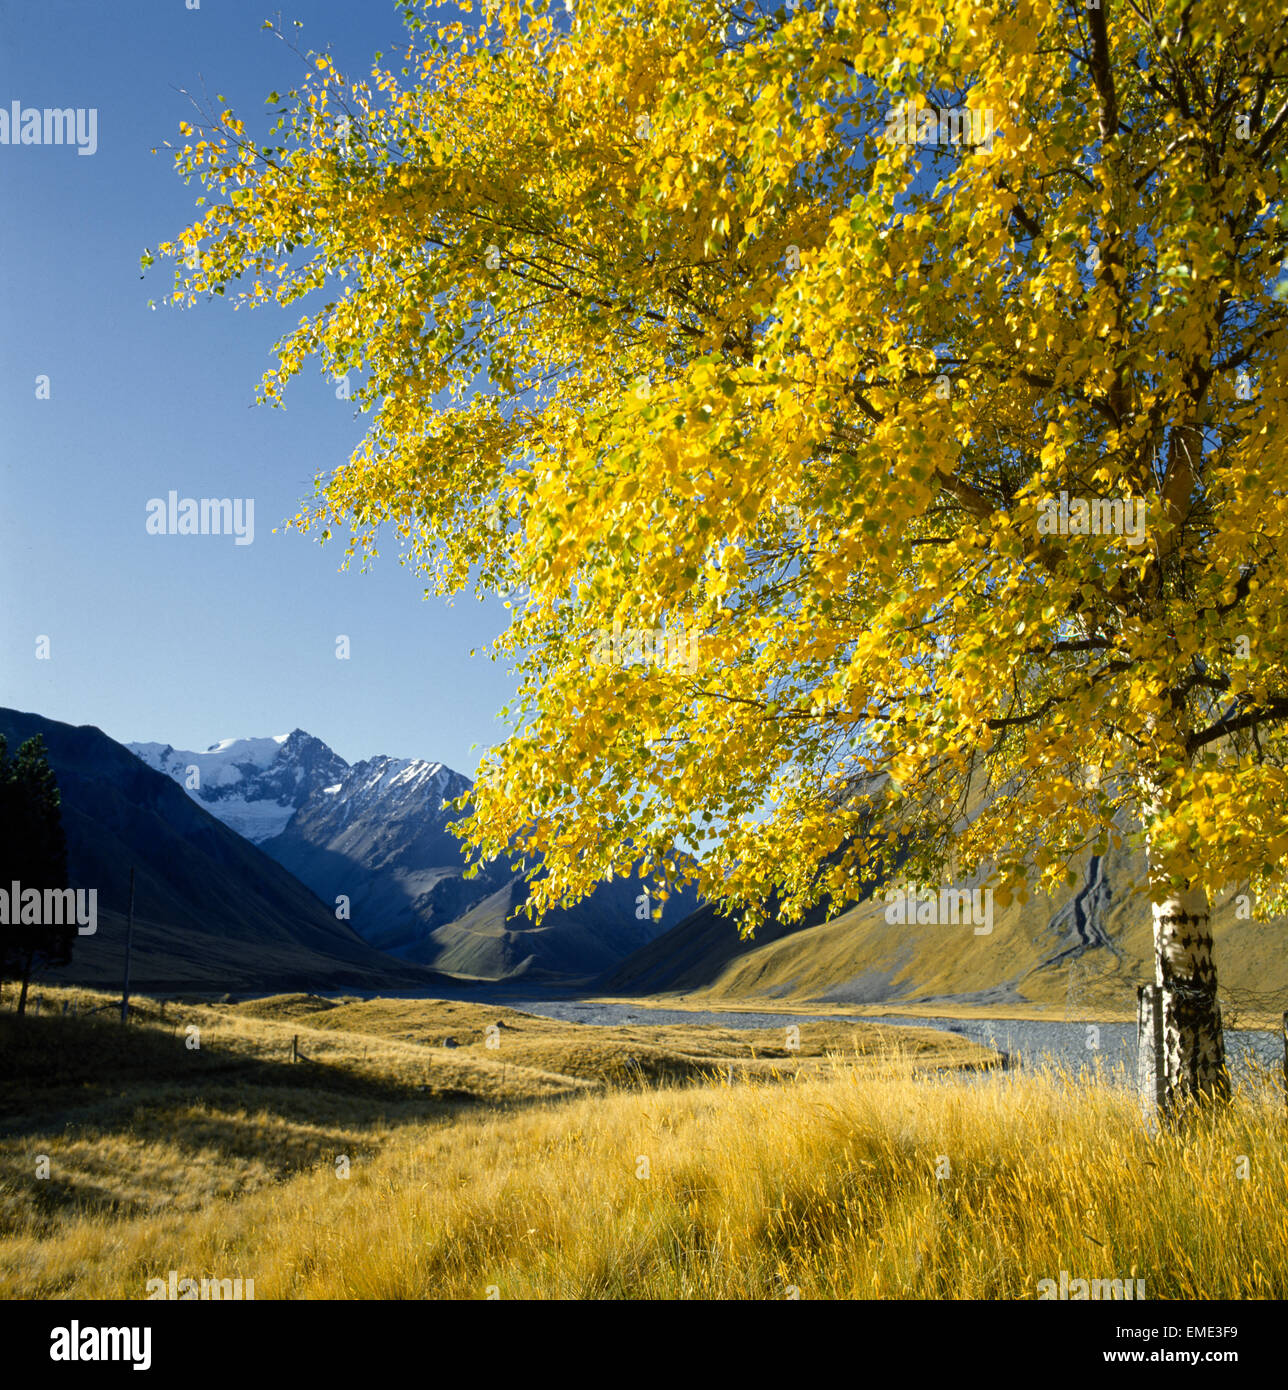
[[187, 639]]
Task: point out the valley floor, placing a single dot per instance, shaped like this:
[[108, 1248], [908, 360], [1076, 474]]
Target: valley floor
[[449, 1149]]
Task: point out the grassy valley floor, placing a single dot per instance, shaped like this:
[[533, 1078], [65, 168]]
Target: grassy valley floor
[[491, 1153]]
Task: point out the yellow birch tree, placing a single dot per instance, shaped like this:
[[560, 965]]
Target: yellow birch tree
[[872, 410]]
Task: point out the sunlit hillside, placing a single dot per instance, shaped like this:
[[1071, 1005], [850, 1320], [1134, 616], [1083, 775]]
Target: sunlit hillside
[[1085, 950]]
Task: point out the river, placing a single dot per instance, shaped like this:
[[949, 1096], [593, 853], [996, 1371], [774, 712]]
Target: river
[[1081, 1048], [1078, 1047]]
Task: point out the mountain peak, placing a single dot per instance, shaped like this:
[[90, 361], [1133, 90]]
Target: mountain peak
[[253, 785], [250, 748], [378, 834], [256, 785]]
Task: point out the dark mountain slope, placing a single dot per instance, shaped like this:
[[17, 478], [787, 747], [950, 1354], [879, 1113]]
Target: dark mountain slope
[[211, 910]]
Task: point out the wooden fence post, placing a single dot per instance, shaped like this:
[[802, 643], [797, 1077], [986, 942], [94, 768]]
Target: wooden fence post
[[295, 1048], [129, 946]]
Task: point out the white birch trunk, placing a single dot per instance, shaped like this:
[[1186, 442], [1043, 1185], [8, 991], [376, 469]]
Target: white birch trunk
[[1181, 1011], [1193, 1043]]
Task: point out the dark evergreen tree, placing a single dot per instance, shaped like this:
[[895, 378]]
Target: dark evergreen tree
[[33, 853]]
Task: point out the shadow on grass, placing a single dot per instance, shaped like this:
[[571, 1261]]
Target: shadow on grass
[[53, 1066], [135, 1121]]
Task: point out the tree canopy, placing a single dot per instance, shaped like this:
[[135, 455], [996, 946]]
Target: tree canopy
[[918, 363]]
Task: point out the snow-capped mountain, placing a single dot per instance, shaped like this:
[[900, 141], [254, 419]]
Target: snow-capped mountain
[[253, 785], [401, 788], [211, 911], [372, 840], [379, 839]]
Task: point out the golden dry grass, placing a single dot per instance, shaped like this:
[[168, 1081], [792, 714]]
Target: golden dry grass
[[873, 1175]]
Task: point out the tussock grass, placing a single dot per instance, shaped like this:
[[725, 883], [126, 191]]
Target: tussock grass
[[876, 1175]]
